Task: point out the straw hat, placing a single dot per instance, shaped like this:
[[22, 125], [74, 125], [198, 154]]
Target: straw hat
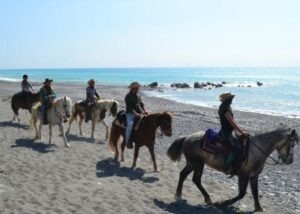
[[226, 96], [47, 80], [91, 81], [134, 85]]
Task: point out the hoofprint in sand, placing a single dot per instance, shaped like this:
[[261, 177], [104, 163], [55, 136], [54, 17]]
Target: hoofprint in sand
[[36, 178]]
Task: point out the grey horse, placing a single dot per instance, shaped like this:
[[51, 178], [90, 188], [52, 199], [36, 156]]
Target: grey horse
[[260, 147]]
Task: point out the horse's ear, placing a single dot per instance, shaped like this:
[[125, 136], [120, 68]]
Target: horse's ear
[[65, 98], [293, 132]]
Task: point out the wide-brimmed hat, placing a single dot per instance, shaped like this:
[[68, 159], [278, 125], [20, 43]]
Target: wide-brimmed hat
[[91, 81], [134, 85], [226, 96], [47, 80]]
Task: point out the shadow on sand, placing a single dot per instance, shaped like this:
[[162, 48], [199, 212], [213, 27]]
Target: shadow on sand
[[182, 207], [12, 124], [110, 167], [30, 144], [76, 138]]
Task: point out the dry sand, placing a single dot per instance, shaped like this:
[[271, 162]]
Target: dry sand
[[36, 178]]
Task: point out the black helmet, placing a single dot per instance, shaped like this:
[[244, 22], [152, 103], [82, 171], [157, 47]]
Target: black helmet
[[25, 76]]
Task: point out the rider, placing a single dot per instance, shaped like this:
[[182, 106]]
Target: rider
[[228, 125], [47, 96], [26, 86], [90, 101], [134, 108]]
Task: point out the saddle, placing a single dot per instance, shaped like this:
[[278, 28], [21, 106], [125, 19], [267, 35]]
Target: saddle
[[122, 121], [214, 143]]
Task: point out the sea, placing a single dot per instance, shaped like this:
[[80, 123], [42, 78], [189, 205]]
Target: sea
[[279, 94]]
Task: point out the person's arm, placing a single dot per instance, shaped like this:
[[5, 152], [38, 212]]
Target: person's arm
[[43, 95], [97, 95], [232, 122], [30, 86], [143, 107]]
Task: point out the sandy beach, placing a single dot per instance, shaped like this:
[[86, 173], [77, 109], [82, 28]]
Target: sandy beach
[[36, 178]]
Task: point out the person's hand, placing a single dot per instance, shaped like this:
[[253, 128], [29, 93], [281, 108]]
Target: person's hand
[[146, 113], [246, 134]]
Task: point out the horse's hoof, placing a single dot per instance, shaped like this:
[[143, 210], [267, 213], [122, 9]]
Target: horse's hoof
[[178, 197], [67, 146], [156, 170], [209, 201], [122, 160], [259, 209]]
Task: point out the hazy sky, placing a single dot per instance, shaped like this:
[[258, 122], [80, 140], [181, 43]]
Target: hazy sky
[[142, 33]]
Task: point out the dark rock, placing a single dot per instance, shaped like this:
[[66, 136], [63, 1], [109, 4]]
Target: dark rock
[[204, 84], [224, 82], [219, 85], [198, 85], [259, 83], [249, 86], [209, 83], [153, 84]]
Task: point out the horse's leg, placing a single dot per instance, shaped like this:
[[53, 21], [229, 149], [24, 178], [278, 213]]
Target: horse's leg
[[183, 175], [93, 128], [254, 189], [50, 132], [40, 129], [136, 154], [198, 170], [151, 150], [35, 128], [122, 150], [243, 183], [70, 123], [79, 125], [61, 128], [106, 127]]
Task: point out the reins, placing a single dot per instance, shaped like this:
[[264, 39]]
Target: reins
[[276, 162]]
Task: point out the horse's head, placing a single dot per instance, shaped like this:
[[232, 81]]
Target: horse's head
[[65, 105], [164, 121], [286, 149], [114, 108]]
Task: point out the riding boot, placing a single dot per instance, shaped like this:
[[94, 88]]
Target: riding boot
[[45, 118]]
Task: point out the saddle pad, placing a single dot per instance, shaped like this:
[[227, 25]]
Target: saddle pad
[[213, 143], [36, 105]]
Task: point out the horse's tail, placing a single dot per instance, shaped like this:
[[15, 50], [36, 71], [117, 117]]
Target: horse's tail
[[175, 150], [32, 120], [113, 137]]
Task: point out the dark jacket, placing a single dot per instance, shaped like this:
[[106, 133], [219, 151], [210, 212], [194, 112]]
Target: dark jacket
[[134, 102], [47, 94], [226, 127]]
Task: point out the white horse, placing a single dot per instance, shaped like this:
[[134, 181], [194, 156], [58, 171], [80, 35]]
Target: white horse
[[56, 115], [102, 106]]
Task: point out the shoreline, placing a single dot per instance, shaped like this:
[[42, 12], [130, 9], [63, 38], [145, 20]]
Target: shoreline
[[146, 89]]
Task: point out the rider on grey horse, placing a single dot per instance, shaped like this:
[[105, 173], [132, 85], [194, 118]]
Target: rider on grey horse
[[90, 101], [228, 125], [134, 108]]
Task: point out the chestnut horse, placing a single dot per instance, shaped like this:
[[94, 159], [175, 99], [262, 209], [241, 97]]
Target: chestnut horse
[[23, 100], [143, 136]]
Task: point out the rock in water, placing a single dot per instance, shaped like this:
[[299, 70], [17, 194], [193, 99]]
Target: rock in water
[[153, 84], [259, 83]]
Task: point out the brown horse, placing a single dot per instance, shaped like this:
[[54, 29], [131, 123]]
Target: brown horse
[[23, 100], [260, 148], [143, 136]]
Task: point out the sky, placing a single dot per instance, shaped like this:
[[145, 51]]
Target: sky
[[149, 33]]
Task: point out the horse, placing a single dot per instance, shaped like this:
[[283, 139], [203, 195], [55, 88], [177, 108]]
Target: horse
[[259, 149], [23, 100], [56, 115], [98, 115], [143, 136]]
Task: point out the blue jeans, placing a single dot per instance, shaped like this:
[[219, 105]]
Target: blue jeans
[[130, 117]]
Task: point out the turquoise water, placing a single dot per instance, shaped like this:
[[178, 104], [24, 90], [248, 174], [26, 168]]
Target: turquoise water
[[280, 94]]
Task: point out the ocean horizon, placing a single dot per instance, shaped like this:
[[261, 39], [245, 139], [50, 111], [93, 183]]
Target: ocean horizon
[[279, 94]]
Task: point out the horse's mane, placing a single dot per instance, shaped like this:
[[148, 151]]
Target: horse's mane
[[278, 132]]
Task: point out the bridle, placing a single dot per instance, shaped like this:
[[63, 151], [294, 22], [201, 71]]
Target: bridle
[[288, 150]]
